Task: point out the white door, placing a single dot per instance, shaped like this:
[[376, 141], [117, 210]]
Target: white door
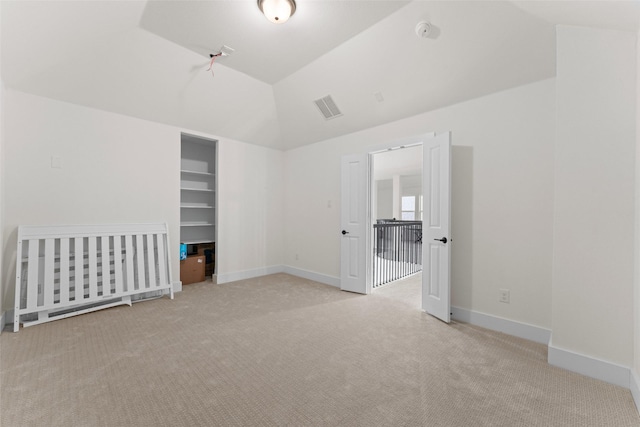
[[353, 219], [436, 226]]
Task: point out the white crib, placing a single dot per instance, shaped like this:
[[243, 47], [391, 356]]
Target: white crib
[[64, 271]]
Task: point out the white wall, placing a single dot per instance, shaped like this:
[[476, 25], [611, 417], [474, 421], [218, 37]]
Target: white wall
[[593, 243], [2, 203], [250, 205], [114, 169], [636, 299], [502, 198], [122, 169], [384, 199]]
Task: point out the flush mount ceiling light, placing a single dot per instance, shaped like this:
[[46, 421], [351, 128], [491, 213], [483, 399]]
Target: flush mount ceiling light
[[277, 11]]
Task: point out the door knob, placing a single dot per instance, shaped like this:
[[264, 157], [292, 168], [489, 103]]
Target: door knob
[[443, 240], [344, 232]]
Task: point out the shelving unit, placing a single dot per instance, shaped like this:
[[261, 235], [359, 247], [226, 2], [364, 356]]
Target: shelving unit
[[198, 198]]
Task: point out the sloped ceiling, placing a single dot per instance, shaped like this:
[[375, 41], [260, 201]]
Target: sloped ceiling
[[149, 59], [265, 51]]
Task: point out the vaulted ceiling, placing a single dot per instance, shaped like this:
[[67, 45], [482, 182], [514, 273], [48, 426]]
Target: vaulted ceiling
[[149, 59]]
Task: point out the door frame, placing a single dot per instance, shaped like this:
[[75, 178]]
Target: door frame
[[380, 148]]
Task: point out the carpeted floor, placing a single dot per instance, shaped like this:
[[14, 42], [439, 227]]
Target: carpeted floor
[[284, 351], [407, 290]]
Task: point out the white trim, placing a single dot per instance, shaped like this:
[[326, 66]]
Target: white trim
[[257, 272], [3, 319], [589, 366], [177, 286], [310, 275], [511, 327], [248, 274], [634, 386]]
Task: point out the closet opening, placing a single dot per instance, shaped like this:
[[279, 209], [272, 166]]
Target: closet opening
[[198, 204]]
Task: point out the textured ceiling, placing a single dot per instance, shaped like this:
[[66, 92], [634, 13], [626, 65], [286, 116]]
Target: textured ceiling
[[149, 59]]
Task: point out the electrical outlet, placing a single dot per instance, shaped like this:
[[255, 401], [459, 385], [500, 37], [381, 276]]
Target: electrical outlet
[[297, 257], [504, 296]]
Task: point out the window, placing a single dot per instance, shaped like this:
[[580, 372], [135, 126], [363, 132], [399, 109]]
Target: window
[[409, 208]]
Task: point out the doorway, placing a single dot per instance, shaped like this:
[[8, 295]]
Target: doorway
[[356, 221], [396, 217]]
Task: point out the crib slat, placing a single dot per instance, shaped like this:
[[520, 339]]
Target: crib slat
[[140, 259], [117, 263], [16, 298], [62, 268], [78, 265], [128, 240], [93, 267], [64, 271], [49, 262], [162, 266], [32, 274], [106, 265], [151, 261]]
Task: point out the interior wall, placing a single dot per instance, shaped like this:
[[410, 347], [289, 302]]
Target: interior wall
[[114, 169], [250, 206], [2, 203], [593, 243], [637, 213], [384, 199], [502, 188], [117, 168]]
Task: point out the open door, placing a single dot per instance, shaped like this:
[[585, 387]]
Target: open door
[[353, 213], [436, 226]]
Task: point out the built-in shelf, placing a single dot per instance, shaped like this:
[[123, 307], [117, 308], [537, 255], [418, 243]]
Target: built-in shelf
[[187, 172], [197, 189], [197, 242], [195, 207], [198, 192], [192, 172]]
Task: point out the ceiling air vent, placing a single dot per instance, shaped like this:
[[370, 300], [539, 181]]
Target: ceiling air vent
[[328, 107]]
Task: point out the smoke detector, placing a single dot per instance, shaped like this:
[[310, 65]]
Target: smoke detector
[[423, 29]]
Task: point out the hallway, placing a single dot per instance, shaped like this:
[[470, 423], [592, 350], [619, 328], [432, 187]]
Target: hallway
[[407, 290]]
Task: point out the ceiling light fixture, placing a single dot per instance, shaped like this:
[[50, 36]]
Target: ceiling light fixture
[[277, 11]]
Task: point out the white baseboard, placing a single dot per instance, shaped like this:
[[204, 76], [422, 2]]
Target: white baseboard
[[511, 327], [257, 272], [177, 286], [635, 388], [248, 274], [589, 366], [310, 275]]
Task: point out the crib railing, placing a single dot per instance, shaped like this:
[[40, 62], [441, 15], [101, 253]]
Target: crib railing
[[397, 250], [63, 271]]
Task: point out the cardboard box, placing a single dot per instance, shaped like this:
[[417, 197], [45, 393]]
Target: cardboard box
[[192, 270]]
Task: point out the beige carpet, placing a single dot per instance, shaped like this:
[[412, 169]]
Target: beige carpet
[[407, 290], [284, 351]]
